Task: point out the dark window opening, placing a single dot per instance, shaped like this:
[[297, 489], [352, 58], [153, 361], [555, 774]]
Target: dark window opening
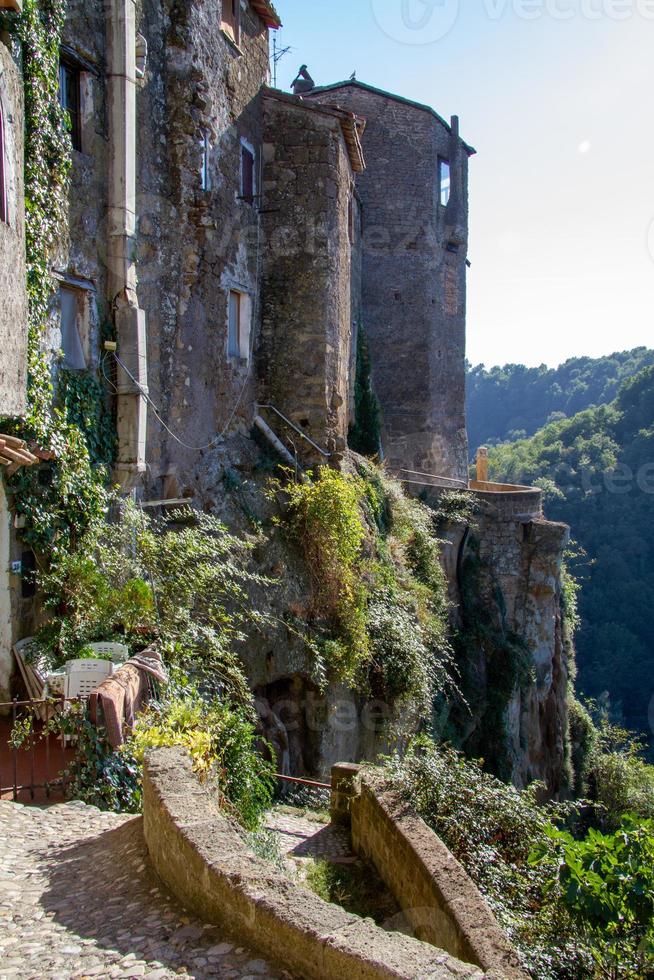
[[70, 100], [3, 186], [247, 174], [28, 572], [444, 182], [350, 219], [205, 173], [231, 18], [453, 247]]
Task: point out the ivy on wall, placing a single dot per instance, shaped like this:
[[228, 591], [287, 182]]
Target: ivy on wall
[[59, 499]]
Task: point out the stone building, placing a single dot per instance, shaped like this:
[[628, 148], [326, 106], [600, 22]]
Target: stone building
[[414, 195], [233, 239], [310, 284]]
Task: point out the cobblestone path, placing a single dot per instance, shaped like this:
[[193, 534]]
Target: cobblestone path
[[301, 836], [77, 899]]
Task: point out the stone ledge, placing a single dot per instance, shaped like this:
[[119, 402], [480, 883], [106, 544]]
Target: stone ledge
[[203, 861], [437, 896]]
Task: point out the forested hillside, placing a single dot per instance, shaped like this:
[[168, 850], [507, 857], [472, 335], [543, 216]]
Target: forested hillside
[[598, 469], [513, 401]]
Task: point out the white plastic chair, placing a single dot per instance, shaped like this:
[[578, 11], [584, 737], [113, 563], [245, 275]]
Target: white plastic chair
[[118, 653], [83, 676]]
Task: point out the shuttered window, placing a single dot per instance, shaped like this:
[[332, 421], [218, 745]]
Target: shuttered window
[[231, 18], [247, 174], [70, 99]]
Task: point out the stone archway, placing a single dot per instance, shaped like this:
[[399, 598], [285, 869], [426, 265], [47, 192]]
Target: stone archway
[[6, 631]]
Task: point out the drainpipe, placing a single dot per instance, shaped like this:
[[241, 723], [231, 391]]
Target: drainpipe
[[129, 318]]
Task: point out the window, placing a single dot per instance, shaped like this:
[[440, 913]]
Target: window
[[3, 186], [231, 19], [247, 172], [238, 332], [444, 182], [73, 303], [70, 99], [205, 174], [350, 219]]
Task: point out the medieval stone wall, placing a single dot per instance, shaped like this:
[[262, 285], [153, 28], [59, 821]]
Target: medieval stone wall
[[304, 359], [413, 291], [197, 105], [13, 296], [199, 243]]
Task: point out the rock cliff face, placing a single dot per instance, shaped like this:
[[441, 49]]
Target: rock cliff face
[[511, 650]]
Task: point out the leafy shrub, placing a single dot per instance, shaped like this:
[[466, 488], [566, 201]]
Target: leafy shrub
[[324, 516], [492, 829], [140, 578], [379, 586], [607, 884], [221, 742], [575, 909], [619, 780]]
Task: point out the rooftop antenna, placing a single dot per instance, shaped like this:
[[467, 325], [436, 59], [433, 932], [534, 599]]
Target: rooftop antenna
[[277, 55]]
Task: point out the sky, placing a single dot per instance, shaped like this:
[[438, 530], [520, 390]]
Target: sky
[[556, 97]]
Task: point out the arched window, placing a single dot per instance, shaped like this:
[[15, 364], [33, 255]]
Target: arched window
[[3, 183]]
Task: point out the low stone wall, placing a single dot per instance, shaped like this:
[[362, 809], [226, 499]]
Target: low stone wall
[[204, 862], [439, 900], [510, 502]]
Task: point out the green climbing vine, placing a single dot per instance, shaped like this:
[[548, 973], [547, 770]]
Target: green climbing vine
[[56, 500]]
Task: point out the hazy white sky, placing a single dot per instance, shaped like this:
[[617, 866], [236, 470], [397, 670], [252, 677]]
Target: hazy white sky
[[556, 96]]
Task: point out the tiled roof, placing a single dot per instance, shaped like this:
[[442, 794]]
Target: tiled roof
[[267, 12], [14, 454], [351, 124]]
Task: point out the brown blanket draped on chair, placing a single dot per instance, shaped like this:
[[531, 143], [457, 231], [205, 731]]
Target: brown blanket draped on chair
[[118, 700]]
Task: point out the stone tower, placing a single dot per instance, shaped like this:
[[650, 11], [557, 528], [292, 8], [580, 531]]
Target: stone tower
[[414, 198]]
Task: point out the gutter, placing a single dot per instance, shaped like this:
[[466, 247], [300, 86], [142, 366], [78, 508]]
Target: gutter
[[129, 318]]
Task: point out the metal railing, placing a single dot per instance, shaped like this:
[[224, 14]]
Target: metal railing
[[296, 428], [35, 759]]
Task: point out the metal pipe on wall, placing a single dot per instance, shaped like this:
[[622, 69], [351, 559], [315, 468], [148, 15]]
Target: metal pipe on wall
[[130, 319]]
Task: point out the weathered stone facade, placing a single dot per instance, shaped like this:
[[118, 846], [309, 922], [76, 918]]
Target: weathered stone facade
[[414, 275], [13, 289], [310, 296]]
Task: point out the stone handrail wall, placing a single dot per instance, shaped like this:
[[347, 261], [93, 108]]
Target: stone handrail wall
[[510, 502], [205, 863], [438, 898]]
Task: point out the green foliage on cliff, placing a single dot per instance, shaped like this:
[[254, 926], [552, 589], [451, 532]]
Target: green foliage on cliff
[[514, 401], [379, 600], [598, 468]]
